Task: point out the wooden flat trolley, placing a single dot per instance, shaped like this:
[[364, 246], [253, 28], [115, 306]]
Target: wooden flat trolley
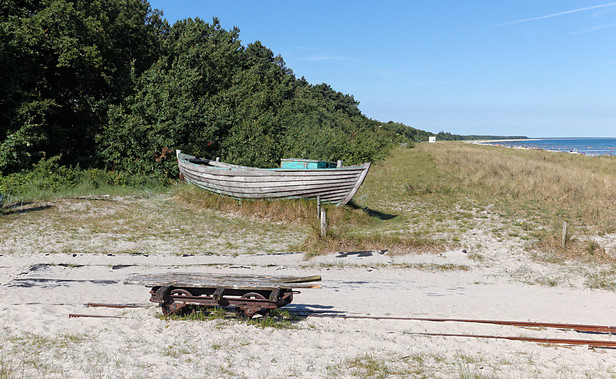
[[248, 294]]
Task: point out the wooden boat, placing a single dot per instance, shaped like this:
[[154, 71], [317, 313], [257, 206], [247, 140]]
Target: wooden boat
[[297, 178]]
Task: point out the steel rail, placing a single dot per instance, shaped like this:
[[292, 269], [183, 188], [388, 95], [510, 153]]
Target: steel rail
[[554, 341], [533, 324], [110, 305], [78, 315], [578, 327]]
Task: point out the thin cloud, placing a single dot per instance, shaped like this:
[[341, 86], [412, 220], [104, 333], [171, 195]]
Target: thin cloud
[[559, 14], [598, 27]]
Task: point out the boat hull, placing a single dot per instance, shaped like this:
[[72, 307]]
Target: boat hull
[[333, 185]]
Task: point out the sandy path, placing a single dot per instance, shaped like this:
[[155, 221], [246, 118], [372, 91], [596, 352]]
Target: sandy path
[[38, 338]]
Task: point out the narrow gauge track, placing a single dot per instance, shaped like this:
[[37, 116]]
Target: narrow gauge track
[[554, 341], [531, 324], [603, 329]]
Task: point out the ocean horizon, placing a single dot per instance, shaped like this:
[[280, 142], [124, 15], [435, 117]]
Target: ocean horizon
[[580, 145]]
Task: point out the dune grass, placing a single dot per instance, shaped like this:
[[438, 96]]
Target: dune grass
[[536, 185], [350, 228], [425, 199], [532, 192]]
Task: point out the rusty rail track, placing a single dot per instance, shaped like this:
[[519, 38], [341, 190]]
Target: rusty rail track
[[109, 305], [554, 341], [80, 315], [530, 324], [605, 329], [578, 327]]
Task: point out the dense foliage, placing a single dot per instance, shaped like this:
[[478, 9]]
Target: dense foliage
[[62, 64], [446, 136], [110, 84], [211, 96]]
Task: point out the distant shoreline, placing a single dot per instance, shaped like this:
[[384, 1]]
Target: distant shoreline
[[599, 146], [486, 142]]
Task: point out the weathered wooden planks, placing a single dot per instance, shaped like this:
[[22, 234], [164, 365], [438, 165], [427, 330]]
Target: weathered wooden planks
[[199, 280], [335, 185]]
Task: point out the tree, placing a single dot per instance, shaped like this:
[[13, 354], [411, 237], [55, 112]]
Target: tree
[[62, 64], [179, 102], [110, 83]]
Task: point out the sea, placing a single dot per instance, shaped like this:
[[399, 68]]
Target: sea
[[586, 146]]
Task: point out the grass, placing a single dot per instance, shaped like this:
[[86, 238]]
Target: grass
[[426, 199], [6, 369], [31, 352], [416, 365], [51, 182], [367, 366], [135, 224], [604, 278], [278, 318], [455, 187], [350, 228]]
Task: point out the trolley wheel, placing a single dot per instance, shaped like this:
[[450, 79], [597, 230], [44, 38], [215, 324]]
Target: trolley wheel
[[175, 307], [248, 310]]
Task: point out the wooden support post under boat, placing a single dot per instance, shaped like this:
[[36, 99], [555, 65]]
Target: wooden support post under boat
[[318, 206], [323, 222]]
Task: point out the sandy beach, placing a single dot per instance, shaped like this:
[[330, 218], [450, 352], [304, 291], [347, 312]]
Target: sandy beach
[[331, 140], [39, 288]]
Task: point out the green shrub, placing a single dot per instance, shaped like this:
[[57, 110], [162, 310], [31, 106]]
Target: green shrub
[[48, 179]]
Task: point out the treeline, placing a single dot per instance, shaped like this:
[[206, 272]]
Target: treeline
[[110, 84], [446, 136]]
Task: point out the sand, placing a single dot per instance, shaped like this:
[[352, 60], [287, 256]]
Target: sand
[[37, 337]]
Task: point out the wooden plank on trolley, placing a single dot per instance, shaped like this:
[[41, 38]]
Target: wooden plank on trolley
[[234, 281]]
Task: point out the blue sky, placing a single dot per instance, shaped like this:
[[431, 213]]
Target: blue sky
[[537, 68]]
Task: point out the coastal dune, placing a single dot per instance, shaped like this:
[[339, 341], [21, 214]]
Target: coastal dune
[[58, 255]]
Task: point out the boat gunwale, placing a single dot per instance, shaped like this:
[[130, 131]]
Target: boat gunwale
[[185, 159]]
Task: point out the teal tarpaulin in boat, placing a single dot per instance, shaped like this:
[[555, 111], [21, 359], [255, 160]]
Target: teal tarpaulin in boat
[[306, 163]]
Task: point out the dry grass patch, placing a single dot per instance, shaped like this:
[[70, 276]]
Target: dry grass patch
[[535, 185], [552, 250], [284, 210], [144, 225], [603, 278], [336, 241], [350, 228], [452, 188], [6, 369]]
